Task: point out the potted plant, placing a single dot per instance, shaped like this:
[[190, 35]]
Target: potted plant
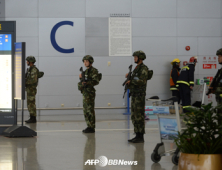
[[200, 143]]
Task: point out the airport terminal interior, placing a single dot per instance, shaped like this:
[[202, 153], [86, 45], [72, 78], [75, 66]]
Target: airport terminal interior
[[59, 33], [62, 145]]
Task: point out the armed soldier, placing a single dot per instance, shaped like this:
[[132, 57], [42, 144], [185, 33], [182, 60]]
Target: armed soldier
[[92, 78], [137, 86], [216, 85], [31, 83]]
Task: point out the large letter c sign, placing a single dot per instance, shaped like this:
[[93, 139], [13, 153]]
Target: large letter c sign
[[52, 37]]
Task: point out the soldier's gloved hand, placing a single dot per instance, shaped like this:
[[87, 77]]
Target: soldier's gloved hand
[[127, 75], [84, 83], [80, 76]]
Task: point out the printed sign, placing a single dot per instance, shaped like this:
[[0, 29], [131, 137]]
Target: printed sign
[[209, 66], [161, 110], [210, 78], [120, 36], [209, 62], [168, 128], [148, 110]]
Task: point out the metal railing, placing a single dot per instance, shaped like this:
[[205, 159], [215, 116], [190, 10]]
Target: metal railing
[[74, 108], [69, 108]]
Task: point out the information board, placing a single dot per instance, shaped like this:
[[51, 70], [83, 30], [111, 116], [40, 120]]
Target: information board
[[8, 111], [5, 72], [168, 128], [120, 36], [19, 70]]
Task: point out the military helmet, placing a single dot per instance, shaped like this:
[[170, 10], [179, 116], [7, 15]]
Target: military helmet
[[219, 52], [31, 59], [176, 60], [89, 58], [140, 54]]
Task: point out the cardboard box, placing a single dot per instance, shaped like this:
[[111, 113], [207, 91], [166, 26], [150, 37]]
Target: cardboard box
[[172, 109]]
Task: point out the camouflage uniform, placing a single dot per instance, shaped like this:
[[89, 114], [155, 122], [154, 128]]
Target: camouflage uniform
[[31, 84], [138, 93], [218, 91], [89, 95]]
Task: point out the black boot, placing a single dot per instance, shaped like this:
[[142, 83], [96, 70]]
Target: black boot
[[85, 129], [28, 119], [140, 139], [31, 120], [137, 135], [89, 130]]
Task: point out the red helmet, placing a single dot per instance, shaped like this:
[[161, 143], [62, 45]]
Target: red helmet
[[193, 59], [185, 63]]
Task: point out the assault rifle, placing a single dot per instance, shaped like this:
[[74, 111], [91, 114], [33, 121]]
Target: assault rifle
[[27, 74], [83, 80], [215, 82], [127, 79]]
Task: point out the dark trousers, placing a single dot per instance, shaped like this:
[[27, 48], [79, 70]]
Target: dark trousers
[[185, 95], [177, 94]]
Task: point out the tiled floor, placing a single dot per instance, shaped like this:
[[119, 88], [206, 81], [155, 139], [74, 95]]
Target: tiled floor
[[61, 145]]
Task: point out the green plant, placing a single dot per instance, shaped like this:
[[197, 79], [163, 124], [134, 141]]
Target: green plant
[[203, 133]]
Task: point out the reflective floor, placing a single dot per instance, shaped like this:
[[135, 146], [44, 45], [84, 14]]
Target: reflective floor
[[62, 146]]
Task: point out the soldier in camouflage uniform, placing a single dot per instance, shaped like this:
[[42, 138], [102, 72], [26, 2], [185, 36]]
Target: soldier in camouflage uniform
[[137, 87], [218, 91], [31, 83], [88, 91]]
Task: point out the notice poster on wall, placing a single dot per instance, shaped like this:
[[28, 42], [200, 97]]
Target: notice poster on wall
[[120, 36], [5, 72], [209, 62]]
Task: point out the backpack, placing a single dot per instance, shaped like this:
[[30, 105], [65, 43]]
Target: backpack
[[100, 77], [40, 74], [150, 74]]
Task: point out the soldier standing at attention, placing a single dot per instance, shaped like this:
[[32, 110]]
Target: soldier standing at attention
[[218, 91], [137, 86], [92, 78], [31, 83]]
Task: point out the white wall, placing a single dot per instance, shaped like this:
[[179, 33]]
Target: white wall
[[2, 10], [161, 28]]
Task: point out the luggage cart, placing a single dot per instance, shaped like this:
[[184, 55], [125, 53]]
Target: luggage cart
[[160, 150]]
